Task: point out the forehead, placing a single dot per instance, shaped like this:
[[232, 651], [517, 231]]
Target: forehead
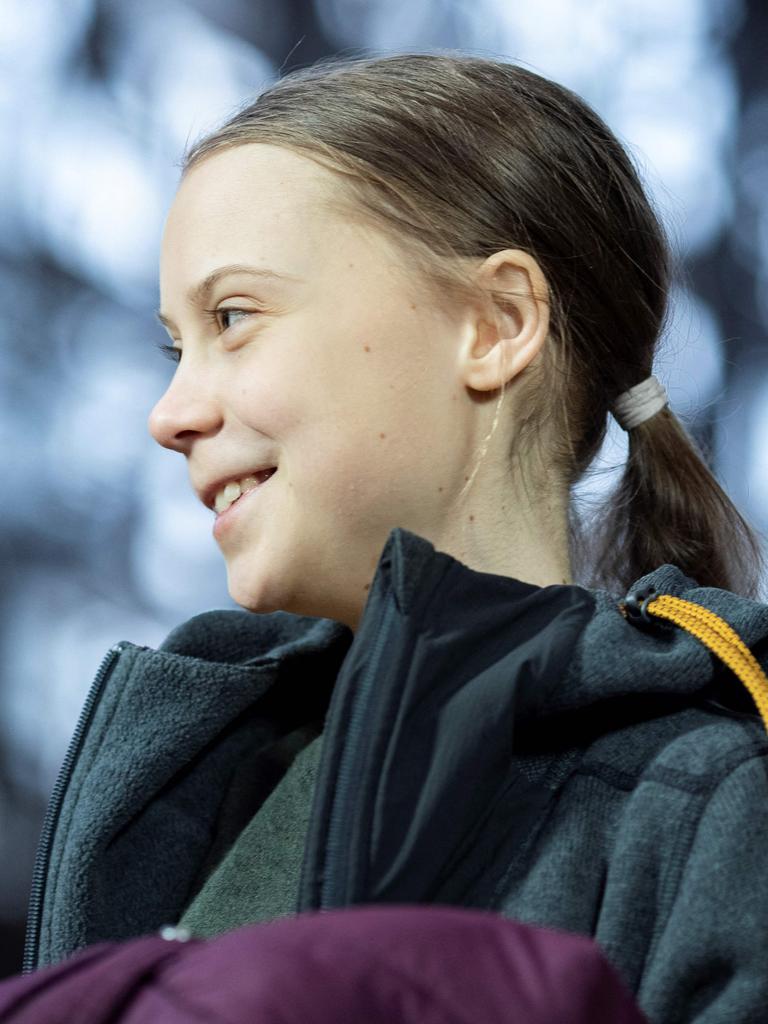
[[237, 180], [264, 205], [243, 195]]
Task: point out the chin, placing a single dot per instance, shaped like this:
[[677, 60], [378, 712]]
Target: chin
[[255, 584], [250, 592]]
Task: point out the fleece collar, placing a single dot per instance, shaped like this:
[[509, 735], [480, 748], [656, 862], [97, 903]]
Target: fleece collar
[[459, 609]]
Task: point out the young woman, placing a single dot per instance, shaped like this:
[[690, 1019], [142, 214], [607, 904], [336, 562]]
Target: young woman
[[404, 294]]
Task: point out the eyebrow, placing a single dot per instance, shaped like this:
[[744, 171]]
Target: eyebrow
[[197, 293]]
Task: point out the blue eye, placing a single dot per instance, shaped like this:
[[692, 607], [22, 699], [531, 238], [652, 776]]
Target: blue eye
[[174, 354]]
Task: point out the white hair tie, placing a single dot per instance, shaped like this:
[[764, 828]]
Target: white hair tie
[[639, 403]]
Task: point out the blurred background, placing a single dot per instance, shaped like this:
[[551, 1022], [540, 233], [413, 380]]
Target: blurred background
[[102, 538]]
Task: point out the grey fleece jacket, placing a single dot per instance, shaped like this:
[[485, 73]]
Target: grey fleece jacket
[[485, 742]]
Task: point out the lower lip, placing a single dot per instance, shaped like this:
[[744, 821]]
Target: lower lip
[[225, 520]]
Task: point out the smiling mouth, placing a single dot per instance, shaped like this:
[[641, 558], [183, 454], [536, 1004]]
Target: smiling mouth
[[236, 489]]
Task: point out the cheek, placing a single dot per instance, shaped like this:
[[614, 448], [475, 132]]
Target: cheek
[[381, 442], [356, 430], [363, 483]]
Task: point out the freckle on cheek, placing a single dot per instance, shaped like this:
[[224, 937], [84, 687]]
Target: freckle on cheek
[[382, 435], [367, 348], [471, 519]]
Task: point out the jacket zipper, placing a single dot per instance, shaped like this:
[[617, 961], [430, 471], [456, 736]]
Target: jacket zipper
[[338, 849], [43, 856]]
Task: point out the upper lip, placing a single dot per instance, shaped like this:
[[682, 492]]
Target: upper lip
[[207, 491]]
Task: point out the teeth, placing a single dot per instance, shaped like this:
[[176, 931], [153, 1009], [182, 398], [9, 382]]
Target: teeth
[[232, 491]]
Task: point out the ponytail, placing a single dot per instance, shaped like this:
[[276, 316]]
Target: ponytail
[[669, 507]]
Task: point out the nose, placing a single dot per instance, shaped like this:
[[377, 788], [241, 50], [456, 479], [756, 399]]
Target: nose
[[187, 410]]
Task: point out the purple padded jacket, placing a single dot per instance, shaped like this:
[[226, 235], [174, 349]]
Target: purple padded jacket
[[378, 965]]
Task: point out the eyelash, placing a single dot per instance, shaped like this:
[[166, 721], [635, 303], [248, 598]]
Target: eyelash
[[174, 354]]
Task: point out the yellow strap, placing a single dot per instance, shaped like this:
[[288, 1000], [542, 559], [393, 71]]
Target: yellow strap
[[724, 641]]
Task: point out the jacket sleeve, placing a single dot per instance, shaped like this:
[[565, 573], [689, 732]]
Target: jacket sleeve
[[709, 965]]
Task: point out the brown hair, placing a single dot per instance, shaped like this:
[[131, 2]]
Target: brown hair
[[459, 156]]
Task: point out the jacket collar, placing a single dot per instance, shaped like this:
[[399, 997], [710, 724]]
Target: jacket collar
[[457, 608]]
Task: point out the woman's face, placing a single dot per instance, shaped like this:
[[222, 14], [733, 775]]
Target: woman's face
[[338, 372]]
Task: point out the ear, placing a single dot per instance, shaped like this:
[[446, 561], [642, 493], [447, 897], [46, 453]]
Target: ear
[[508, 331]]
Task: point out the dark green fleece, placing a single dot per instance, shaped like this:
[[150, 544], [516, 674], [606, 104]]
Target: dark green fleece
[[257, 878]]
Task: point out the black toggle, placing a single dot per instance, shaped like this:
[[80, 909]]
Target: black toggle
[[636, 607]]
